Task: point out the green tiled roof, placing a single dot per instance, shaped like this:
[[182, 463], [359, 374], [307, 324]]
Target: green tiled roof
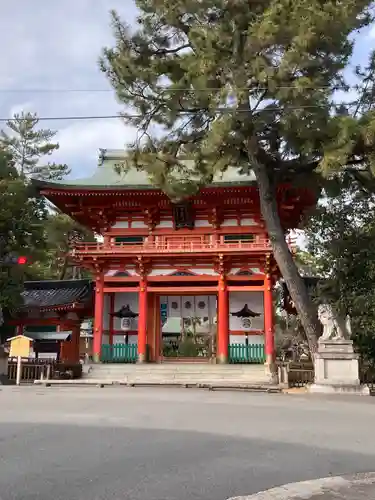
[[106, 177]]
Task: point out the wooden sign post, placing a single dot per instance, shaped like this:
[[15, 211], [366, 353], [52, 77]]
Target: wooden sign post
[[19, 348]]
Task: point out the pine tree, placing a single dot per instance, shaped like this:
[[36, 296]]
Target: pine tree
[[61, 231], [229, 82], [29, 144], [341, 243], [22, 214]]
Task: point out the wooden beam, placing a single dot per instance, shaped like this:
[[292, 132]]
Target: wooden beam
[[182, 279], [108, 289], [189, 290], [121, 279], [245, 288], [249, 332], [250, 277]]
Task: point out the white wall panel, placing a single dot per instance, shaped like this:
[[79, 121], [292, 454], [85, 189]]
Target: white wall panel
[[240, 339], [200, 270], [202, 223], [162, 272], [229, 222], [123, 299], [248, 222], [237, 301], [165, 223], [138, 224], [121, 224]]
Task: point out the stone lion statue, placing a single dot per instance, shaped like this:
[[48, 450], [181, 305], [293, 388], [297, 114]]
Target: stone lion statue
[[334, 326]]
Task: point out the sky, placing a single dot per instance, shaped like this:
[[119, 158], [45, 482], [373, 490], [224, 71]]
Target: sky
[[49, 45]]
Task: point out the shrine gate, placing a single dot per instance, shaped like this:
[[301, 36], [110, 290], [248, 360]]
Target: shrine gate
[[177, 281]]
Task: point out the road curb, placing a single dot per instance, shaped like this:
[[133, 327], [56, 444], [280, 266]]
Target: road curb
[[305, 490], [186, 385]]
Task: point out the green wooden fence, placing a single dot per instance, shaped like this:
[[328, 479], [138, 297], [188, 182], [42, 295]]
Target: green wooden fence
[[238, 353], [119, 353], [242, 353]]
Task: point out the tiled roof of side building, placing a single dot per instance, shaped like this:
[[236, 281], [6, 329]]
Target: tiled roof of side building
[[52, 336], [106, 177], [52, 293]]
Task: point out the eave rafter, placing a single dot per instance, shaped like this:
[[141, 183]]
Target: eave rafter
[[100, 208], [151, 216]]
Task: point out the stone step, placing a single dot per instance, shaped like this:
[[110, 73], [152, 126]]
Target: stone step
[[181, 380], [175, 377], [178, 373], [173, 368], [197, 370]]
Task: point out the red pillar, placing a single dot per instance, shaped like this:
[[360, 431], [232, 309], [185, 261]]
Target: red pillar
[[142, 321], [111, 317], [223, 322], [269, 339], [98, 318]]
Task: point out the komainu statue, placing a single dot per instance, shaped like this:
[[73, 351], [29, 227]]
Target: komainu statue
[[334, 326]]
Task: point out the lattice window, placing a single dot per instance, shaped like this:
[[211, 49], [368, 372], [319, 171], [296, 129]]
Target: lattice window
[[229, 238], [129, 239]]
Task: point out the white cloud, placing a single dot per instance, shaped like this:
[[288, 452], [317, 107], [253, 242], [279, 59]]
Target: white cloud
[[371, 33], [82, 140], [28, 106], [56, 45]]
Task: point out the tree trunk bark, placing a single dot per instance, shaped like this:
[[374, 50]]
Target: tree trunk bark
[[64, 268], [297, 289]]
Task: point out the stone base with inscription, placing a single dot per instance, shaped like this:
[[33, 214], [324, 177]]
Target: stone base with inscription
[[336, 369]]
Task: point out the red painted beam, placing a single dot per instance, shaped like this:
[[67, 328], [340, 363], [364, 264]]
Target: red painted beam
[[108, 289], [183, 290], [245, 288]]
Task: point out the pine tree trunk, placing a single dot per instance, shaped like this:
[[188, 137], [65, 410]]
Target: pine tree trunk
[[297, 289], [64, 268]]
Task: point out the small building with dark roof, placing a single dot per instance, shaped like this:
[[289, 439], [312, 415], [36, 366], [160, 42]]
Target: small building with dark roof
[[51, 314]]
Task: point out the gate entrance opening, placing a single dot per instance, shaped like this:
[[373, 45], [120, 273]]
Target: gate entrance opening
[[188, 327]]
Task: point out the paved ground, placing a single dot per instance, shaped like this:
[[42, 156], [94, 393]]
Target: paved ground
[[354, 487], [164, 444]]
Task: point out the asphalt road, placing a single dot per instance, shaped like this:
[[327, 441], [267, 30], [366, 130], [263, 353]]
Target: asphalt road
[[164, 444]]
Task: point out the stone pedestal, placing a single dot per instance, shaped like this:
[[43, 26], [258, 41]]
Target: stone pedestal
[[271, 373], [336, 369]]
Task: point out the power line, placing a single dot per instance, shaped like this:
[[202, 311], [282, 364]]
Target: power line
[[51, 91], [67, 118], [218, 111], [209, 89]]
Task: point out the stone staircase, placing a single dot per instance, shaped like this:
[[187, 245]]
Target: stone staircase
[[184, 374]]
